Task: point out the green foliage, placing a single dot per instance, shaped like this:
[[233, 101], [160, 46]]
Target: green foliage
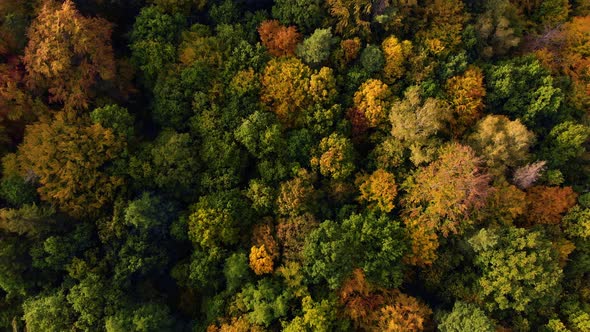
[[372, 59], [375, 244], [16, 191], [115, 118], [152, 40], [145, 318], [305, 14], [315, 49], [521, 88], [263, 302], [466, 317], [565, 143], [48, 313], [520, 270]]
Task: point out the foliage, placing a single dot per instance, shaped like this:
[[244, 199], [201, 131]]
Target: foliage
[[279, 40], [68, 159], [67, 53], [519, 269], [466, 317]]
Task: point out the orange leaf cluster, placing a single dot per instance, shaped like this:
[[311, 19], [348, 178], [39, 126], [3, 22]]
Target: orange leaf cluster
[[278, 39], [547, 205]]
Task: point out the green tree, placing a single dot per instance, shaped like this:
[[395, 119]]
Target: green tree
[[48, 313], [152, 40], [520, 269], [144, 318], [522, 89], [305, 14], [374, 244], [116, 118], [315, 49], [565, 143], [466, 317]]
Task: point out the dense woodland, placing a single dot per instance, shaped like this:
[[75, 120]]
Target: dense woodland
[[295, 165]]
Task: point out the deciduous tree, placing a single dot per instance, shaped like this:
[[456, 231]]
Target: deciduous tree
[[68, 54]]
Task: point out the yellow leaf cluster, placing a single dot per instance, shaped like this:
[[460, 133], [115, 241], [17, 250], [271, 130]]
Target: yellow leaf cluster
[[260, 260]]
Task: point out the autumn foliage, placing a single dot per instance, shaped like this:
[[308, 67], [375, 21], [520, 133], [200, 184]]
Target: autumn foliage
[[68, 54], [278, 39], [547, 205]]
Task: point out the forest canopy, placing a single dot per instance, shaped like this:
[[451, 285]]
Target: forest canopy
[[295, 165]]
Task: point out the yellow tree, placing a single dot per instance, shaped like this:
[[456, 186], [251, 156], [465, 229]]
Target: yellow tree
[[68, 53], [396, 53], [260, 260], [466, 93], [449, 191], [285, 88], [379, 190], [67, 156], [352, 16], [373, 98]]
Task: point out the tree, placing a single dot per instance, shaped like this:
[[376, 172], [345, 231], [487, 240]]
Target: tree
[[315, 49], [396, 54], [521, 88], [216, 219], [152, 40], [48, 313], [379, 190], [498, 28], [167, 163], [305, 14], [466, 93], [373, 244], [352, 16], [180, 6], [415, 121], [576, 223], [279, 40], [444, 24], [334, 157], [285, 84], [372, 59], [296, 196], [449, 191], [292, 233], [68, 158], [466, 317], [520, 269], [67, 53], [116, 118], [261, 134], [260, 260], [526, 176], [565, 143], [262, 303], [142, 318], [547, 205], [406, 313], [372, 98], [500, 142]]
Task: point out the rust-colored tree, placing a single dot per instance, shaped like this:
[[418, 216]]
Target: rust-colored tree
[[278, 39], [68, 54], [547, 205]]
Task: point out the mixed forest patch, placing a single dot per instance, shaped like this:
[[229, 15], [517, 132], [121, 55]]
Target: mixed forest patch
[[295, 165]]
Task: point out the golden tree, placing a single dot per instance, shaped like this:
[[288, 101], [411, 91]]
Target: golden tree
[[68, 53], [67, 156], [372, 98], [466, 93], [379, 190]]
